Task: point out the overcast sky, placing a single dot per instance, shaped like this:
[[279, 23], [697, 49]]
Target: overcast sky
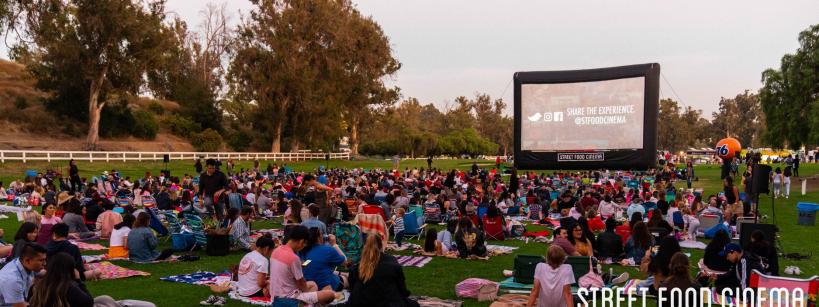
[[707, 49]]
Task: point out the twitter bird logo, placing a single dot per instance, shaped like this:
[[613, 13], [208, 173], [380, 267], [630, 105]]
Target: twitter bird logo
[[534, 117]]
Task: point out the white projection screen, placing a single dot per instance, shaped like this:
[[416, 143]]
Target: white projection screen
[[587, 119], [596, 115]]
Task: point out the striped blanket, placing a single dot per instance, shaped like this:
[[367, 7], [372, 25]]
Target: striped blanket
[[415, 261], [372, 223], [88, 246], [500, 249]]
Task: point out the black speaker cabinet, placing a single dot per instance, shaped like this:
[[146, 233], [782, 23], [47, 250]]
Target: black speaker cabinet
[[166, 158], [760, 178]]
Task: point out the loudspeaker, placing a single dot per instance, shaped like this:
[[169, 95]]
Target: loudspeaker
[[759, 179], [769, 230], [166, 158]]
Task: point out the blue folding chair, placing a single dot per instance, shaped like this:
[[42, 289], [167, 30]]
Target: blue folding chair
[[481, 212], [411, 227]]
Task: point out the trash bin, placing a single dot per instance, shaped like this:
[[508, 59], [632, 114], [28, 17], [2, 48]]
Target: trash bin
[[807, 213]]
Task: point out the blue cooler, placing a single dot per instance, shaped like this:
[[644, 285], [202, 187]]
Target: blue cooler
[[807, 213]]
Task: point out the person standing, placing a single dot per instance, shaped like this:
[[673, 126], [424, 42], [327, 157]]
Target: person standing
[[198, 165], [429, 163], [74, 176], [796, 165], [213, 184]]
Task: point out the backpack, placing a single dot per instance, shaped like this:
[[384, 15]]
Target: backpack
[[524, 269]]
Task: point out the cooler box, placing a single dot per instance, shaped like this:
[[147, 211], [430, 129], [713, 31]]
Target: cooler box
[[807, 213], [524, 269]]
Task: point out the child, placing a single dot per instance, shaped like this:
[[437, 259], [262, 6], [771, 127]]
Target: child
[[692, 224], [553, 281], [398, 225]]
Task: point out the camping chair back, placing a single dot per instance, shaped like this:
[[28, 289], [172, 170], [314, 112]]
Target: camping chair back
[[372, 224], [197, 227], [412, 229], [174, 226], [419, 210], [677, 217], [371, 209], [708, 220], [352, 205], [148, 201], [482, 212], [432, 213], [348, 237], [649, 206], [156, 222], [123, 201], [493, 228], [809, 286], [624, 232], [580, 266]]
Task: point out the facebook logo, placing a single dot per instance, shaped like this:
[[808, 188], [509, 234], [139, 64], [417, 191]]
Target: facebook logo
[[553, 116], [558, 116]]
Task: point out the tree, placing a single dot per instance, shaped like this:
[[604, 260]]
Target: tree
[[92, 51], [192, 70], [678, 128], [741, 118], [790, 95]]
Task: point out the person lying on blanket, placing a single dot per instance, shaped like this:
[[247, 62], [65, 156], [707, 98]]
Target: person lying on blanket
[[119, 237], [5, 248], [253, 270], [60, 244], [286, 276]]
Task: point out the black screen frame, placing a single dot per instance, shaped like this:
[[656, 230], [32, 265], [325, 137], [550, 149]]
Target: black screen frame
[[635, 159]]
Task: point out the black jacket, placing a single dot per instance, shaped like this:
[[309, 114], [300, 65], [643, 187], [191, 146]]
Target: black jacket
[[55, 247], [387, 287], [739, 275], [609, 245]]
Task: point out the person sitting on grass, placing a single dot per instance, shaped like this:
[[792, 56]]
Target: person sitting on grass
[[680, 279], [636, 206], [17, 276], [553, 281], [61, 287], [470, 240], [657, 221], [313, 220], [639, 242], [561, 239], [253, 270], [444, 244], [119, 238], [581, 243], [60, 244], [430, 240], [378, 280], [49, 219], [711, 258], [324, 258], [656, 266], [739, 274], [240, 232], [107, 220], [74, 219], [609, 244], [27, 233], [286, 277], [142, 242]]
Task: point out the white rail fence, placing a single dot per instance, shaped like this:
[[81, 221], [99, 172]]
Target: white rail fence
[[123, 156]]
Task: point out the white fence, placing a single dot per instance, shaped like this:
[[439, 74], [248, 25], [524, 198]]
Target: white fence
[[108, 156]]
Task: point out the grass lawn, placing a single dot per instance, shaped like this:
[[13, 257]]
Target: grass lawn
[[437, 278]]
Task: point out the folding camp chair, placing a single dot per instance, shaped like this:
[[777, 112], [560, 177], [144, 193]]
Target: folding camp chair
[[809, 287], [482, 212], [411, 226], [432, 213], [493, 228], [156, 222], [174, 226], [197, 227], [372, 224], [708, 220], [352, 205], [349, 239], [148, 201]]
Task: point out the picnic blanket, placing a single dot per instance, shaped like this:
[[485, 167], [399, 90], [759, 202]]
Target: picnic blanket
[[405, 246], [111, 271], [88, 246], [499, 249], [426, 301], [94, 258], [199, 278], [265, 301], [631, 286], [692, 244], [372, 223], [544, 233], [415, 261], [510, 283]]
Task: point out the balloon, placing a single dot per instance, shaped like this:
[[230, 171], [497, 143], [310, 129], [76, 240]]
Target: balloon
[[728, 148]]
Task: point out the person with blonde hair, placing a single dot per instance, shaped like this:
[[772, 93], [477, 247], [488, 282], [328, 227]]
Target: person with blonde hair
[[553, 281], [378, 280]]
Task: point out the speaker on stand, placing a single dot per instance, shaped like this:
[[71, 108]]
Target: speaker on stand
[[760, 176]]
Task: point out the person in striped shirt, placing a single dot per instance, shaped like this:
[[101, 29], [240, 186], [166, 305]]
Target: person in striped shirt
[[398, 226]]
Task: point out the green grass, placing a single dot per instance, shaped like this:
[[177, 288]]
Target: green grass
[[437, 278]]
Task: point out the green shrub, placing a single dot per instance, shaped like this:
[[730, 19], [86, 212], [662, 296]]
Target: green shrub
[[182, 126], [145, 127], [208, 140], [239, 140], [20, 103], [156, 108]]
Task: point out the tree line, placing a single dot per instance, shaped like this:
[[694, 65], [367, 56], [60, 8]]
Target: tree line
[[303, 74]]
